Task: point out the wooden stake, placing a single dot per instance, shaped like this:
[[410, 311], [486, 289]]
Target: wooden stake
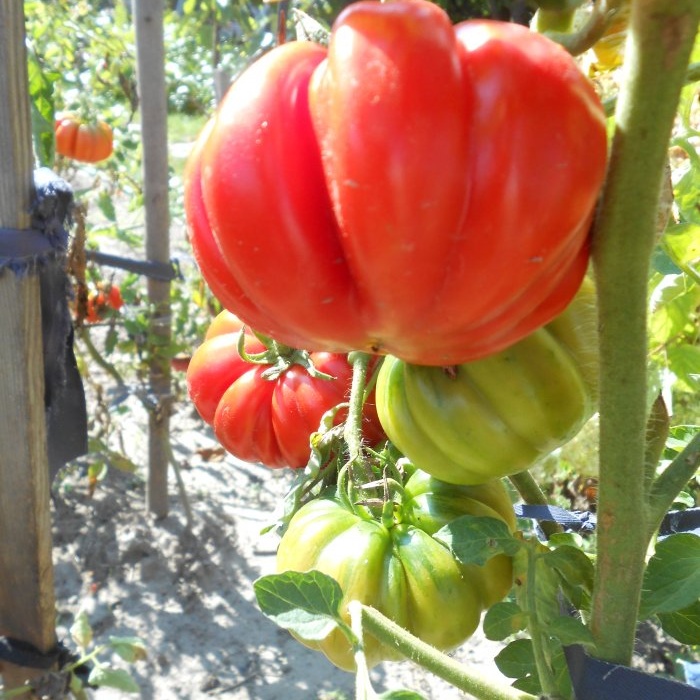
[[27, 603]]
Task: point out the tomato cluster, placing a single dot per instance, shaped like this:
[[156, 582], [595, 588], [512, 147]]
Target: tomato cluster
[[266, 413], [100, 302], [420, 193]]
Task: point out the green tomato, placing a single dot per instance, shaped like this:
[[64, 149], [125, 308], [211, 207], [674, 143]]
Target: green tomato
[[494, 417], [399, 568]]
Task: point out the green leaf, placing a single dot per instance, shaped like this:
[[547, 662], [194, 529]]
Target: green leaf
[[682, 244], [569, 630], [672, 577], [130, 649], [80, 631], [504, 619], [517, 660], [474, 540], [684, 624], [119, 678], [575, 571], [400, 695], [684, 362], [307, 604], [42, 108]]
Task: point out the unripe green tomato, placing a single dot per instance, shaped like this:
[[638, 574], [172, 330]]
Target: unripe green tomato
[[400, 569], [469, 423]]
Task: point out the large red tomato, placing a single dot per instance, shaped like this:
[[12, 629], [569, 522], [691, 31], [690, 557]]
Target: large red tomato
[[417, 189], [89, 142], [258, 419]]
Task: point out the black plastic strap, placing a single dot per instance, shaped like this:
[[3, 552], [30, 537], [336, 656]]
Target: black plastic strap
[[578, 521], [164, 272], [19, 653], [593, 679]]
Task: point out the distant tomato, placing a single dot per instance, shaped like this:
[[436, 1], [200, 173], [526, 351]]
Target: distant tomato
[[89, 142], [262, 419]]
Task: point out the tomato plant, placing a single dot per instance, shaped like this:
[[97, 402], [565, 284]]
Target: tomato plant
[[395, 565], [264, 413], [329, 159], [496, 416], [89, 142]]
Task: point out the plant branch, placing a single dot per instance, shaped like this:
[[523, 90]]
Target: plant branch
[[443, 666], [670, 483], [532, 494], [660, 39]]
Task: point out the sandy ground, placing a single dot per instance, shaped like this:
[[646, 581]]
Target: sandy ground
[[188, 592]]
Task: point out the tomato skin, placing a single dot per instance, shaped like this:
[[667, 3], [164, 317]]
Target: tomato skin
[[400, 570], [262, 420], [434, 270], [83, 141], [496, 416]]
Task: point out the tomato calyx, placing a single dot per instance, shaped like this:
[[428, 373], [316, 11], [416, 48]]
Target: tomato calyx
[[278, 357]]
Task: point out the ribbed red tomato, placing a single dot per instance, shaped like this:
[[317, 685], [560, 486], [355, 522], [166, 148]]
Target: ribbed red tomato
[[89, 142], [418, 189], [261, 419]]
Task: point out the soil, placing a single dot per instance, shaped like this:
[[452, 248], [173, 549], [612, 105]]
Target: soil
[[186, 588]]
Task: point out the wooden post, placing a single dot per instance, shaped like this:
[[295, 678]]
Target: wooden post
[[27, 604], [150, 56]]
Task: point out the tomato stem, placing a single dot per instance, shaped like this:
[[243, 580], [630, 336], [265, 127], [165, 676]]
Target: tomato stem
[[532, 494], [660, 39], [480, 686], [353, 423]]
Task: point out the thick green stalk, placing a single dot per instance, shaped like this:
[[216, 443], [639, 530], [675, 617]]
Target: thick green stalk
[[480, 686], [660, 40]]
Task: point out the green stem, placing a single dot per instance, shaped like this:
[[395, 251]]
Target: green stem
[[94, 353], [670, 483], [660, 39], [353, 424], [480, 686], [532, 494]]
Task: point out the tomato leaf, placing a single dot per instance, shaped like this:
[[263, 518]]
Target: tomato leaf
[[130, 649], [474, 540], [307, 604], [400, 695], [569, 630], [575, 571], [504, 619], [682, 244], [684, 624], [119, 678], [672, 577], [517, 660]]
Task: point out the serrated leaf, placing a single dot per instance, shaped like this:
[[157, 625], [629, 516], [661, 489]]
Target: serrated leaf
[[672, 577], [684, 362], [108, 677], [130, 649], [683, 625], [682, 243], [502, 620], [474, 540], [400, 695], [305, 603], [569, 630]]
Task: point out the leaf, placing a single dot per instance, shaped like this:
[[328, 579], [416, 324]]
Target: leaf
[[575, 571], [474, 540], [684, 362], [504, 619], [80, 631], [400, 695], [517, 660], [672, 577], [684, 624], [130, 649], [569, 630], [119, 678], [42, 108], [307, 604], [682, 244]]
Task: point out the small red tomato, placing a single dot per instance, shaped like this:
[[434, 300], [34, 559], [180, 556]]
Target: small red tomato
[[83, 141]]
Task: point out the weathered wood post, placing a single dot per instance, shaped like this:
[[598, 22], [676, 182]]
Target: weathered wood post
[[150, 53], [27, 604]]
